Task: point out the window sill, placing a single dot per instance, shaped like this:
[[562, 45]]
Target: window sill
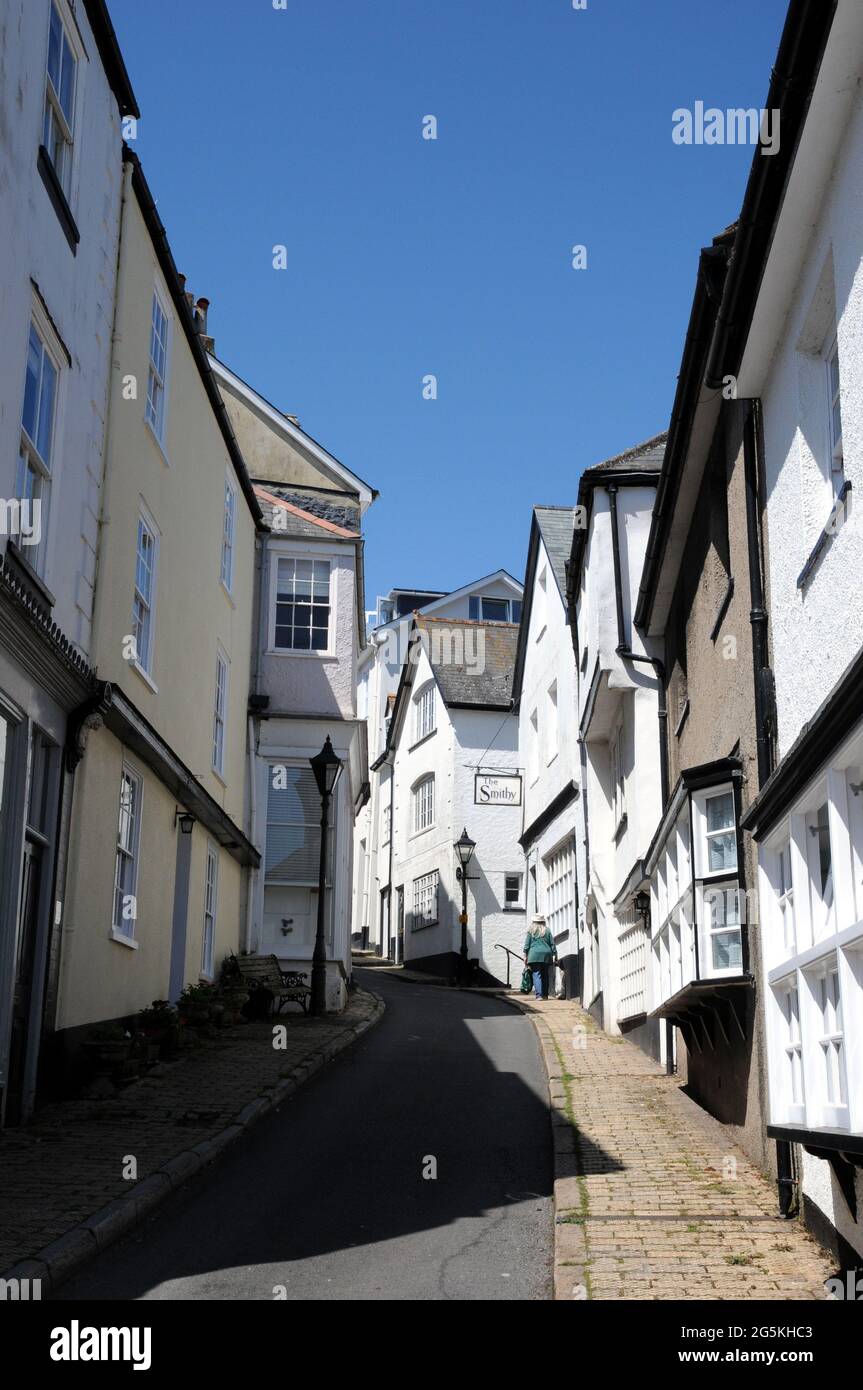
[[301, 655], [424, 926], [678, 728], [425, 738], [228, 595], [418, 834], [157, 441], [28, 574], [219, 776], [514, 910], [121, 940], [828, 535], [59, 201], [145, 676], [723, 609], [621, 826], [553, 758], [542, 632]]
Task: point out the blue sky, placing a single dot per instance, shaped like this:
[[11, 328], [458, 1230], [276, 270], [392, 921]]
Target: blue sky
[[408, 257]]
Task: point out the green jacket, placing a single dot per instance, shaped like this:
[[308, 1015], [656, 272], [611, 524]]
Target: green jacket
[[540, 949]]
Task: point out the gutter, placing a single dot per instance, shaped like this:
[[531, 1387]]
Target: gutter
[[795, 72]]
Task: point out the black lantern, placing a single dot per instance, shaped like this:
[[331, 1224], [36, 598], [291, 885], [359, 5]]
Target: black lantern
[[464, 848], [326, 767], [186, 819]]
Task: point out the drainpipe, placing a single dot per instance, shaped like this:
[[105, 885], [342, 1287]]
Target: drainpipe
[[615, 550], [753, 460], [786, 1179]]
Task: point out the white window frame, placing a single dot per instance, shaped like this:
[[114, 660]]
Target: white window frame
[[560, 904], [156, 406], [294, 554], [387, 830], [64, 122], [211, 912], [35, 472], [822, 951], [220, 712], [144, 658], [426, 890], [425, 712], [229, 531], [423, 798], [518, 879], [478, 602], [533, 748], [125, 929]]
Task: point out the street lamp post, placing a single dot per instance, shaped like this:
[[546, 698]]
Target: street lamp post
[[464, 848], [326, 767]]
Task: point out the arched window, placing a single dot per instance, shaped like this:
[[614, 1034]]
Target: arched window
[[424, 804]]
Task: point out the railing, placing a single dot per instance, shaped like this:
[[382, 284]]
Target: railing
[[518, 957]]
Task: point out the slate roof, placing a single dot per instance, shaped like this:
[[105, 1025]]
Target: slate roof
[[647, 456], [556, 527], [483, 677], [337, 508]]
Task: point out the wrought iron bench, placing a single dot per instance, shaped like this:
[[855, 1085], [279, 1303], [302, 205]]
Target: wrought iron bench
[[286, 986]]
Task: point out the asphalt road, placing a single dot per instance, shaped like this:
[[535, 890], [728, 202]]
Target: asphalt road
[[326, 1198]]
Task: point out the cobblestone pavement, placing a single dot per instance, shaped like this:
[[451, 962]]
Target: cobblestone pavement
[[652, 1200], [69, 1163]]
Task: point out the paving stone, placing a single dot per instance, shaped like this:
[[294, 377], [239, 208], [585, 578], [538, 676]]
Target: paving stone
[[664, 1212], [69, 1163]]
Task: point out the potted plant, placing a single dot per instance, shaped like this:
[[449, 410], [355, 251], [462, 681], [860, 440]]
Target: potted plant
[[109, 1044], [195, 1003], [158, 1025], [233, 990]]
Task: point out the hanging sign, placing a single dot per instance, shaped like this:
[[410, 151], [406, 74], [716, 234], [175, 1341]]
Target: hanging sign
[[497, 789]]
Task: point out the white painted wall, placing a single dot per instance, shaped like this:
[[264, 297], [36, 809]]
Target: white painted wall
[[78, 291], [378, 679], [628, 696], [827, 616]]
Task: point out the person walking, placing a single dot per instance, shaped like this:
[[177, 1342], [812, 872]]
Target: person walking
[[540, 953]]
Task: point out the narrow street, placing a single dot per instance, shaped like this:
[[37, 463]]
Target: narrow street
[[326, 1198]]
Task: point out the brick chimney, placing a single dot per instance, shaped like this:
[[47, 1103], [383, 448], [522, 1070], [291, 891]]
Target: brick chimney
[[200, 316]]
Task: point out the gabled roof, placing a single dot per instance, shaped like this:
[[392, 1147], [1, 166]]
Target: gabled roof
[[112, 57], [554, 527], [640, 466], [482, 678], [730, 279], [497, 577], [291, 431], [307, 514]]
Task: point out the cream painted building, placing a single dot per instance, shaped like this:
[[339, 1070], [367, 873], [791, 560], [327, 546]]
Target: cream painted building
[[309, 628], [155, 903]]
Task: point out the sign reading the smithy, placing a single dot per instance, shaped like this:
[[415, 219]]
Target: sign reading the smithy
[[499, 790]]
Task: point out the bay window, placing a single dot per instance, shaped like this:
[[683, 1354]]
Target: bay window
[[302, 605], [811, 893], [425, 905]]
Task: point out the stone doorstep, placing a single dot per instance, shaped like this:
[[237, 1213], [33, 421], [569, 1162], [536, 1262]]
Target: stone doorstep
[[56, 1262]]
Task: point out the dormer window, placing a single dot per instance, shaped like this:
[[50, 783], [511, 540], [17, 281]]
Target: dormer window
[[493, 610]]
